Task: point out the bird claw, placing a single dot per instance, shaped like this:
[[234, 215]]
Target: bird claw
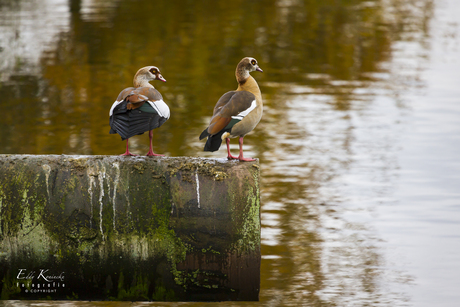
[[154, 155], [242, 159], [128, 154], [230, 157]]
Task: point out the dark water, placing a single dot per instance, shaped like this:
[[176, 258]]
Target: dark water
[[359, 144]]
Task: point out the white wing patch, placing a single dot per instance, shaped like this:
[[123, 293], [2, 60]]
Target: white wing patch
[[161, 107], [113, 106], [242, 114]]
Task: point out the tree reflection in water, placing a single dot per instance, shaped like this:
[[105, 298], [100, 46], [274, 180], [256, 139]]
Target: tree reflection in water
[[324, 62]]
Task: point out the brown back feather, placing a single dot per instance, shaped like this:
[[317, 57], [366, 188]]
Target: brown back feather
[[151, 93], [136, 97], [230, 104]]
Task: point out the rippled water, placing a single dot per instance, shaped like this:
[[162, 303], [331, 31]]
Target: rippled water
[[359, 144]]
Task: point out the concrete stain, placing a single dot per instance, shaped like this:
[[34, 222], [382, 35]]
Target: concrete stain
[[53, 222]]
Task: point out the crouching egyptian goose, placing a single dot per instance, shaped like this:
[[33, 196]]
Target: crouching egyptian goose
[[139, 109], [237, 112]]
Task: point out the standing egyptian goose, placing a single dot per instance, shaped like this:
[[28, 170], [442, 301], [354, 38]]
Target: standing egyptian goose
[[139, 109], [237, 112]]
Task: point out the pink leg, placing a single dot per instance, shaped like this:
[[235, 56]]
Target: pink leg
[[229, 156], [151, 153], [240, 157], [127, 153]]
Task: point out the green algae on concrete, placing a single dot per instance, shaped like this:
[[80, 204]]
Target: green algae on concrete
[[118, 228]]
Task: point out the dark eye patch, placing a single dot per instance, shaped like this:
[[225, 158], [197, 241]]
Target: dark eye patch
[[153, 71], [253, 62]]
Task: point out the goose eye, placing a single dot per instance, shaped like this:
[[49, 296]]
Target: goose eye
[[253, 62], [153, 71]]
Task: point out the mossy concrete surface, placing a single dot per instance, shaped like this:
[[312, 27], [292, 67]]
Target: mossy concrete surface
[[129, 228]]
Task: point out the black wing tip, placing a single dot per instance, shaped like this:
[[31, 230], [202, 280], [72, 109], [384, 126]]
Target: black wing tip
[[204, 134], [212, 144], [214, 141], [129, 124]]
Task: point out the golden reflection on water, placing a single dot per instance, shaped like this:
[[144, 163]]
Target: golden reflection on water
[[196, 46], [323, 61]]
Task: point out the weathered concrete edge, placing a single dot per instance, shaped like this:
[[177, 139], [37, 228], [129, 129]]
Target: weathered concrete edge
[[248, 233]]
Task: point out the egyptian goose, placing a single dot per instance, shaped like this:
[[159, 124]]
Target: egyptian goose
[[237, 112], [131, 115]]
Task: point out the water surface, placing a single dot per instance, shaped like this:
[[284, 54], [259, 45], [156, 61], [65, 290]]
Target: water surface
[[359, 145]]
